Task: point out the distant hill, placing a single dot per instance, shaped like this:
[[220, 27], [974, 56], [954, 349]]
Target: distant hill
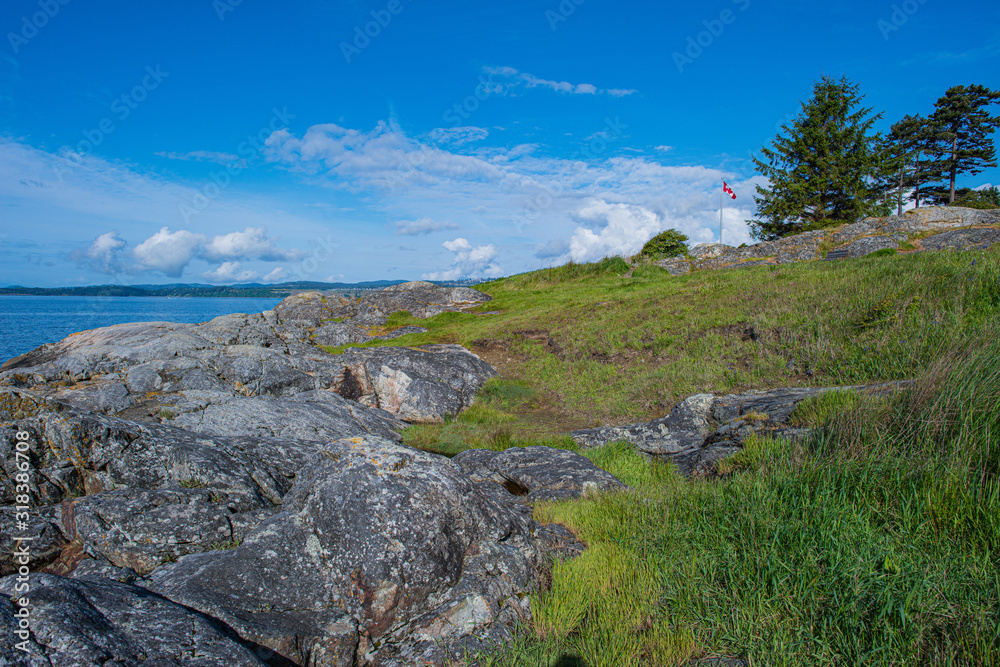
[[245, 290]]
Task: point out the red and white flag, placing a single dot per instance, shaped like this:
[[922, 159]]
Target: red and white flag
[[728, 190]]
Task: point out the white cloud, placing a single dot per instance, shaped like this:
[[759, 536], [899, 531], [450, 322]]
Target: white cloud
[[456, 136], [230, 272], [469, 261], [278, 275], [514, 78], [613, 229], [168, 252], [664, 148], [200, 156], [103, 254], [251, 243], [422, 226]]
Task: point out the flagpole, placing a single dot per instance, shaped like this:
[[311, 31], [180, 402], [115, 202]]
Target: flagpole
[[722, 194]]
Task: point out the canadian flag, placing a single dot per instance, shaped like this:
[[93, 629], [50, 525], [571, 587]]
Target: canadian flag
[[728, 190]]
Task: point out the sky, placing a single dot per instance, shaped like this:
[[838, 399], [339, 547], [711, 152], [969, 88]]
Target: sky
[[224, 141]]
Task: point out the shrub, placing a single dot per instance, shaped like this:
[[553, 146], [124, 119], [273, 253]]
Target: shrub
[[984, 199], [665, 244]]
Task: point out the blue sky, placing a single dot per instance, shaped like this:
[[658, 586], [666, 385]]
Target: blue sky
[[251, 140]]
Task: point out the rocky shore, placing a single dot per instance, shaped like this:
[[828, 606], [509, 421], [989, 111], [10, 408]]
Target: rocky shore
[[228, 493]]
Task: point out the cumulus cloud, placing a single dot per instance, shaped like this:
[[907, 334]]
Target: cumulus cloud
[[230, 272], [103, 254], [422, 226], [513, 78], [251, 243], [469, 261], [613, 229], [168, 252]]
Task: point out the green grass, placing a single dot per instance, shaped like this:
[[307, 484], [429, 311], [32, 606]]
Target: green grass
[[624, 350], [874, 544]]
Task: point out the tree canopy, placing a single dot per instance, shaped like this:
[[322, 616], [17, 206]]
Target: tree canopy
[[825, 167]]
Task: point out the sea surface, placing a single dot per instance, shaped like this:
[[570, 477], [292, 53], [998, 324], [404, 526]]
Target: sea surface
[[29, 321]]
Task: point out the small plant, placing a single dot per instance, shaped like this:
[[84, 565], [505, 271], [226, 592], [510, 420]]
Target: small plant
[[224, 545], [192, 483], [167, 414], [884, 252]]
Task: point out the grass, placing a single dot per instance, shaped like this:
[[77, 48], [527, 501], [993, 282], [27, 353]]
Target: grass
[[875, 542], [598, 348]]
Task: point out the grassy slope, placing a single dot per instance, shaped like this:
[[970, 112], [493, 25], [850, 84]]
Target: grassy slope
[[877, 543]]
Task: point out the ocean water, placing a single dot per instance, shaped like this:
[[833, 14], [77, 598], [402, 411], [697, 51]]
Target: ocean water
[[29, 321]]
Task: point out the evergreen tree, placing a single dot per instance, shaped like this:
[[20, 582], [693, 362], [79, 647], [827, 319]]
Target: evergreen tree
[[824, 168], [962, 142], [912, 141]]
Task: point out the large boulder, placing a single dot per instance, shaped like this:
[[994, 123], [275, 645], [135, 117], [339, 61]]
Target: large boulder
[[381, 555], [422, 384], [702, 429], [537, 473]]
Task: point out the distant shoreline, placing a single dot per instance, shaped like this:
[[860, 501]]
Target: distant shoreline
[[248, 291]]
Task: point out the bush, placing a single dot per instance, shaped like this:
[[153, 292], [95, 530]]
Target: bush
[[665, 244], [985, 199]]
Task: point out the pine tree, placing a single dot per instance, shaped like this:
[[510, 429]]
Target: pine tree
[[963, 127], [912, 141], [824, 168]]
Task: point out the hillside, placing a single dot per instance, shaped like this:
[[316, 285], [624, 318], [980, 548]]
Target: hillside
[[872, 542]]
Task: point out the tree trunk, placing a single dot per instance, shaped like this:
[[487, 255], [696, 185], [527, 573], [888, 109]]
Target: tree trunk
[[899, 199], [916, 173], [954, 167]]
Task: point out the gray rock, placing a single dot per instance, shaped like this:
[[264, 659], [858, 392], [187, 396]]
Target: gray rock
[[339, 333], [43, 526], [676, 266], [422, 384], [140, 529], [87, 453], [537, 473], [702, 429], [401, 331], [962, 239], [314, 415], [684, 429], [869, 244], [89, 622], [379, 551]]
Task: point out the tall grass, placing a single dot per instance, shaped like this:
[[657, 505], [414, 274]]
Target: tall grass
[[874, 544]]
